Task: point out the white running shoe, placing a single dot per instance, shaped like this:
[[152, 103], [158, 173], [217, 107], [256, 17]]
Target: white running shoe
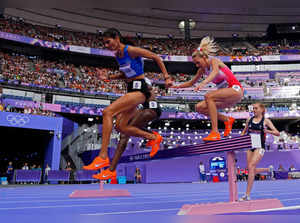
[[245, 198]]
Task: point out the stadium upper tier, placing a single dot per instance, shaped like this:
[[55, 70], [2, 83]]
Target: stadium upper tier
[[180, 47]]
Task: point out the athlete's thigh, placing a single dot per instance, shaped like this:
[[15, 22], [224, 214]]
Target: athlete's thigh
[[126, 102], [225, 95], [219, 104], [257, 156]]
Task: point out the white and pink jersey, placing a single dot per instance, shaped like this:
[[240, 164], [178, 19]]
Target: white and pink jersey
[[225, 78]]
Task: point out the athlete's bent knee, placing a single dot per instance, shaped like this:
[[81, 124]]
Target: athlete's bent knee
[[123, 137], [251, 166], [200, 108]]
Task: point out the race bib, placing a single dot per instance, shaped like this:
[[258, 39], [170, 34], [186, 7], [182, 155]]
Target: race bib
[[256, 141], [127, 70], [261, 151], [148, 81], [153, 104], [137, 85]]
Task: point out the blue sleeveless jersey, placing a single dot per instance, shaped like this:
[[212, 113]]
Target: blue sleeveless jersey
[[129, 66]]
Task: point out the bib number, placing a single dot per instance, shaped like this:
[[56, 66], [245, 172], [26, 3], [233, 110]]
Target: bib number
[[256, 141], [137, 85], [153, 104], [127, 70], [261, 152]]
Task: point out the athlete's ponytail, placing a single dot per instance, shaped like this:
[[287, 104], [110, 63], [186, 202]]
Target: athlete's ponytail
[[114, 33], [206, 48]]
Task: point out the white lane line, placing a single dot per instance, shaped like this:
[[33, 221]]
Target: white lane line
[[99, 205], [153, 195], [138, 194], [291, 199], [279, 209], [6, 199], [134, 212], [207, 197], [119, 203], [32, 195]]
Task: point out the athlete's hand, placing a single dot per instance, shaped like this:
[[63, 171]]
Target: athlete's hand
[[168, 83], [174, 86], [267, 131], [199, 87]]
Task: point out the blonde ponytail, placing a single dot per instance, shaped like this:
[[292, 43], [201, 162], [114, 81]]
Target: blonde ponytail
[[206, 48]]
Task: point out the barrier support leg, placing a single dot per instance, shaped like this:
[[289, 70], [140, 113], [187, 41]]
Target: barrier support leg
[[101, 185], [233, 192]]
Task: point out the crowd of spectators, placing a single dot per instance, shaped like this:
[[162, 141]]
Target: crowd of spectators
[[33, 70], [167, 46], [53, 34], [37, 71]]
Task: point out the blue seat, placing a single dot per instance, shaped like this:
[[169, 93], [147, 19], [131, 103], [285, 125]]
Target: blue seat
[[121, 179]]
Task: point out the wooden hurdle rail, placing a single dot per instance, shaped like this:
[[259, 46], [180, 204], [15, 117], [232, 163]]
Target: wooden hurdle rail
[[224, 145]]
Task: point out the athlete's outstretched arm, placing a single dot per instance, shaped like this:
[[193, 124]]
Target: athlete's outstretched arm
[[139, 52], [191, 82]]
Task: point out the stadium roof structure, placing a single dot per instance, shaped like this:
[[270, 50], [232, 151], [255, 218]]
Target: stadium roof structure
[[163, 21]]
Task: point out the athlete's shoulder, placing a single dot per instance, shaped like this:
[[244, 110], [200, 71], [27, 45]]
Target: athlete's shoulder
[[267, 120]]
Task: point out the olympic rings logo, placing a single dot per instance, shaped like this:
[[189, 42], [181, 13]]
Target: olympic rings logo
[[17, 120]]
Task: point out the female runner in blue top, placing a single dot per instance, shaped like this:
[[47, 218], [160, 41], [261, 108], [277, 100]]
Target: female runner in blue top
[[132, 68]]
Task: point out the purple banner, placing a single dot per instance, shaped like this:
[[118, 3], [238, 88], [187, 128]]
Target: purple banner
[[31, 104], [236, 115], [102, 52], [289, 57], [195, 115], [53, 107], [34, 41], [81, 110]]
